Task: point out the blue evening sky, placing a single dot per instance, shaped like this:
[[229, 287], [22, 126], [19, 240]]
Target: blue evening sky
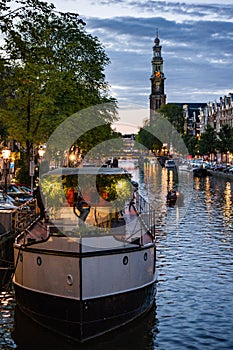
[[197, 47]]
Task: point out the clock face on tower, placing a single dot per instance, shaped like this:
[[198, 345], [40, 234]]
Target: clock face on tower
[[157, 86]]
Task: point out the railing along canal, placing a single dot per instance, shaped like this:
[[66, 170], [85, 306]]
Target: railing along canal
[[12, 223]]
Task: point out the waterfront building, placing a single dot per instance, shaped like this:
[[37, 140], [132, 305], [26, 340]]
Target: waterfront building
[[199, 115], [226, 110], [221, 112], [195, 117], [157, 96]]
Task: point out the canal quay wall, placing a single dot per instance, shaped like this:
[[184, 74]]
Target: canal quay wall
[[12, 222]]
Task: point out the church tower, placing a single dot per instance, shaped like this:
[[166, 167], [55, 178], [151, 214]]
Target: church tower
[[157, 96]]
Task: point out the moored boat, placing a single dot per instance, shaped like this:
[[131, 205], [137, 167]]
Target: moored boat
[[82, 276], [200, 172]]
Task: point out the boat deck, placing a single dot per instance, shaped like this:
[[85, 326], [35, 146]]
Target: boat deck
[[129, 228]]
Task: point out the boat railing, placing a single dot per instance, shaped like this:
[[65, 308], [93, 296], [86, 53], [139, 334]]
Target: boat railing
[[142, 226], [141, 229], [137, 223], [145, 211], [24, 215]]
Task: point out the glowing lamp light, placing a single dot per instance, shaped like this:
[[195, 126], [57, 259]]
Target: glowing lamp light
[[41, 152], [72, 157], [6, 153]]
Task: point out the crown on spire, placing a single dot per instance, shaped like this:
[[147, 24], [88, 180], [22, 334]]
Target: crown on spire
[[157, 41]]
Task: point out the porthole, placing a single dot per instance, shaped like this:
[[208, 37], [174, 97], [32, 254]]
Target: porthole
[[125, 260], [69, 280], [145, 256], [39, 261]]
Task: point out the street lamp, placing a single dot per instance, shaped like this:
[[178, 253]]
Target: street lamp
[[6, 153], [41, 152]]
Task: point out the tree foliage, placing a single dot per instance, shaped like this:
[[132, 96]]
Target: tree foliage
[[94, 138], [208, 142], [3, 132], [225, 139], [174, 114], [191, 144], [148, 140], [50, 69]]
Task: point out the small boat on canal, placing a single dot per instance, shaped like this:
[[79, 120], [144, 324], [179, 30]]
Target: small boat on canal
[[174, 197], [85, 272], [200, 172], [171, 197]]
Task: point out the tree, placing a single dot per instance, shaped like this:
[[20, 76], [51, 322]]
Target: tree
[[147, 139], [94, 140], [225, 140], [169, 125], [191, 144], [174, 114], [51, 68], [208, 142], [3, 132]]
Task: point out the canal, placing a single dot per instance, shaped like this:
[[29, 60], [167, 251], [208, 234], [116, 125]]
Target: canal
[[194, 299]]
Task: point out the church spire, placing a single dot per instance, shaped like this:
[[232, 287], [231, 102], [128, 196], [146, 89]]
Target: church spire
[[157, 96], [157, 41]]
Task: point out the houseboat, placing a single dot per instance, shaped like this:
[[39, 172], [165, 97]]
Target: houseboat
[[89, 266]]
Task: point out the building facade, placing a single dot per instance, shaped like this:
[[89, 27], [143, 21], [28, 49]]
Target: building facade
[[195, 119], [198, 115], [157, 96], [220, 112]]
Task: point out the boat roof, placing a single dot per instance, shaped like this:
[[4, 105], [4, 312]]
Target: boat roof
[[87, 170]]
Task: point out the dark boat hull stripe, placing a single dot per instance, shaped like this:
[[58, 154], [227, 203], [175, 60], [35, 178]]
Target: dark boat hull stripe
[[82, 320], [114, 251]]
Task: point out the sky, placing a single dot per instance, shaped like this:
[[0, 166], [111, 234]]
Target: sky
[[197, 48]]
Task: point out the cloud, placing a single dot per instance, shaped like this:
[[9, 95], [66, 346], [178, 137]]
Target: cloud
[[197, 55], [196, 39], [173, 10]]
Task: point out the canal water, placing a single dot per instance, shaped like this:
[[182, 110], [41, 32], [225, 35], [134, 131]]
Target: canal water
[[194, 301]]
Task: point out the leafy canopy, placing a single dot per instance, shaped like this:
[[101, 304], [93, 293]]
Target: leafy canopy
[[208, 141], [225, 139], [50, 69]]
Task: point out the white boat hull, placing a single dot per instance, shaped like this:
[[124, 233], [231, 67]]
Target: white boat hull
[[85, 292]]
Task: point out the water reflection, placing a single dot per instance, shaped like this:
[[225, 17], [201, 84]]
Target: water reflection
[[7, 305], [227, 206], [141, 334], [157, 182]]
